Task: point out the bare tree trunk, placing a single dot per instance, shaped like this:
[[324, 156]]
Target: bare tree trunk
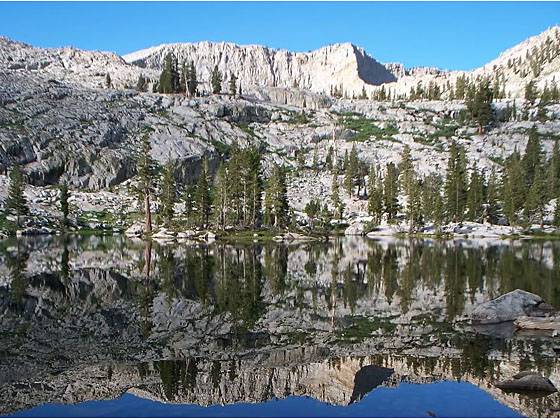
[[147, 258], [148, 213]]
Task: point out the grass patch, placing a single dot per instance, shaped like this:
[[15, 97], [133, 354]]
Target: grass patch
[[365, 128]]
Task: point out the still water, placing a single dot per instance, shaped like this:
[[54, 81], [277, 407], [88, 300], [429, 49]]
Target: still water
[[107, 326]]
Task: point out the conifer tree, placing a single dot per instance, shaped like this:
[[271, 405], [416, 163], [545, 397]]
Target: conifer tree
[[431, 190], [312, 210], [531, 92], [202, 195], [513, 188], [556, 219], [233, 85], [479, 104], [192, 81], [553, 172], [141, 84], [414, 205], [536, 200], [169, 79], [16, 201], [456, 183], [391, 192], [475, 195], [189, 198], [168, 193], [338, 206], [329, 159], [532, 157], [276, 199], [64, 203], [216, 81], [221, 197], [375, 195], [406, 170], [146, 170], [439, 211], [492, 198], [108, 82], [352, 171]]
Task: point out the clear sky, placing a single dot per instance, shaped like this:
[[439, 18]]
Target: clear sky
[[446, 35]]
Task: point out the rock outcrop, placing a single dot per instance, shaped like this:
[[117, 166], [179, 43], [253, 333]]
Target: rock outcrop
[[510, 307], [527, 382]]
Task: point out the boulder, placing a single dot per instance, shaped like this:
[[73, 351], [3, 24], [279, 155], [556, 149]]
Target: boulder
[[528, 382], [538, 323], [137, 229], [355, 229], [509, 307], [164, 233]]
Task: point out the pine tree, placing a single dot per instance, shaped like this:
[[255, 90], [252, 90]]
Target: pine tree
[[16, 201], [216, 81], [414, 206], [375, 195], [553, 172], [536, 200], [479, 104], [276, 199], [513, 187], [556, 219], [352, 171], [338, 206], [492, 198], [146, 170], [532, 157], [142, 84], [192, 82], [169, 79], [232, 85], [190, 203], [64, 203], [108, 82], [329, 159], [221, 197], [431, 190], [531, 92], [168, 193], [312, 210], [406, 170], [391, 192], [456, 183], [475, 195], [202, 195]]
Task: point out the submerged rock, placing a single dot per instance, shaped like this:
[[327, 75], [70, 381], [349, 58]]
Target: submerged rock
[[509, 307]]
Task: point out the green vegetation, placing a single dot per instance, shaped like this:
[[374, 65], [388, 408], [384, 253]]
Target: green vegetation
[[366, 128]]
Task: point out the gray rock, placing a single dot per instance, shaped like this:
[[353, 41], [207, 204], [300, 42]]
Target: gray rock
[[527, 381], [507, 307]]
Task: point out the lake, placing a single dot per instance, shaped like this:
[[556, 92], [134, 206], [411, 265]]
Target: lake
[[353, 327]]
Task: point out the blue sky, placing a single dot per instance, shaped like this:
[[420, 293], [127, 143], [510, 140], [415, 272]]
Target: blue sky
[[447, 35]]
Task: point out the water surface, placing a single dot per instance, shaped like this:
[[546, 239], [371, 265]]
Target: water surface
[[118, 327]]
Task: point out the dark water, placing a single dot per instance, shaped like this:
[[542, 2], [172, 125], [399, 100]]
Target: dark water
[[106, 326]]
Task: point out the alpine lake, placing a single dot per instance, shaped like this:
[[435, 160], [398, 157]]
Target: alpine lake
[[352, 327]]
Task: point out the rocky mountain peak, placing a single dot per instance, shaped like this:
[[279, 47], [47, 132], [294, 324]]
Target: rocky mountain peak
[[342, 65]]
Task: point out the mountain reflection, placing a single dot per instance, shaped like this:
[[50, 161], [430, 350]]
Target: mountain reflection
[[223, 323]]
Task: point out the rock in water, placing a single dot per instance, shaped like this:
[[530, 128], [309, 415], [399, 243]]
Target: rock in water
[[528, 381], [538, 323], [507, 307]]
